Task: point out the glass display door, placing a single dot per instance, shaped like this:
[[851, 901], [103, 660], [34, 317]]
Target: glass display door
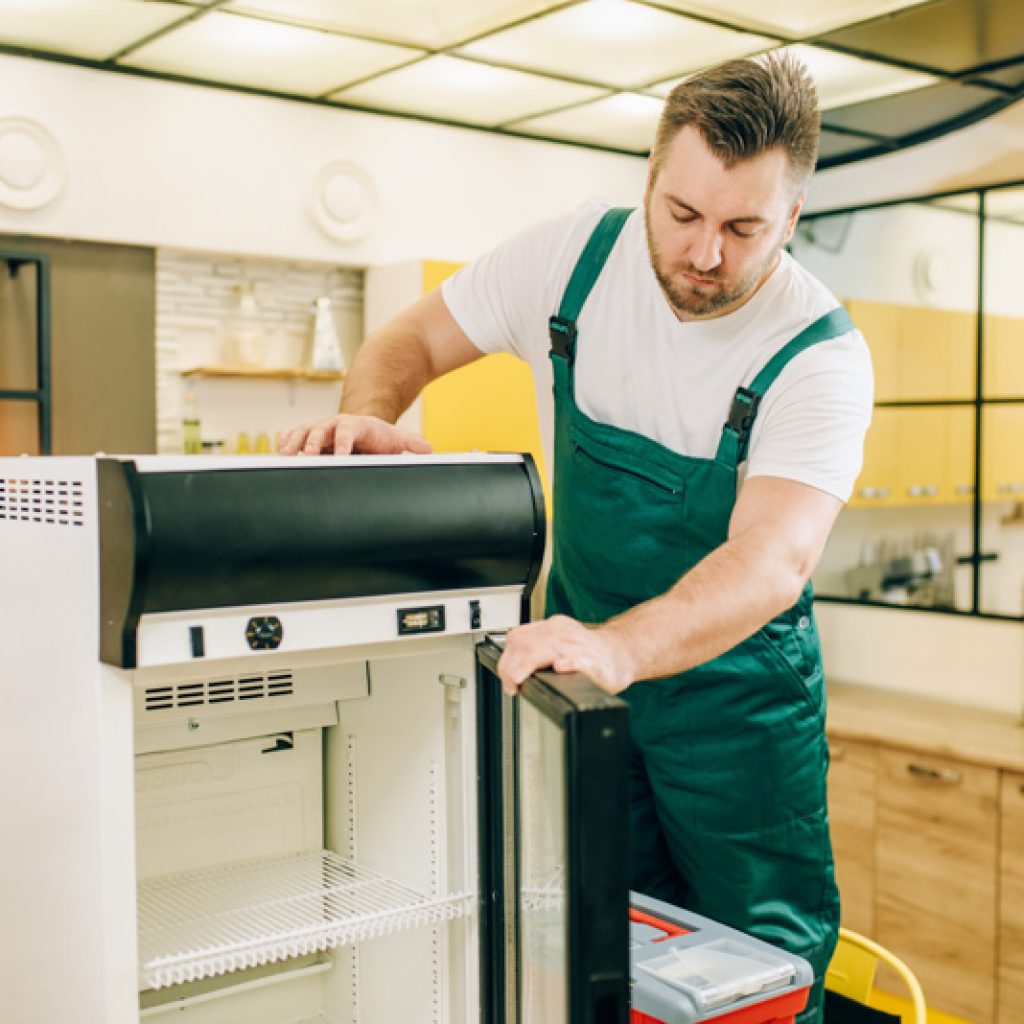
[[554, 770]]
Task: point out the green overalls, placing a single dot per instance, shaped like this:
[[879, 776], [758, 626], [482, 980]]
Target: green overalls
[[727, 784]]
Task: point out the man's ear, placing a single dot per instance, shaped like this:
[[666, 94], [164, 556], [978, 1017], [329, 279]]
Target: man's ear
[[794, 216]]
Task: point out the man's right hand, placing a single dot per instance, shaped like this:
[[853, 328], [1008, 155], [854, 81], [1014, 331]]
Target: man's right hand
[[346, 434]]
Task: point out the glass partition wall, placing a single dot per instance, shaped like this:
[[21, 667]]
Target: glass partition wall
[[936, 519]]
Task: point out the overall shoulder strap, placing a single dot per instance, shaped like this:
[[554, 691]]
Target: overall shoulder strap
[[562, 326], [737, 429]]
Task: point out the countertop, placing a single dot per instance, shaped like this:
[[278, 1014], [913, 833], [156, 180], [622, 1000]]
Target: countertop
[[910, 722]]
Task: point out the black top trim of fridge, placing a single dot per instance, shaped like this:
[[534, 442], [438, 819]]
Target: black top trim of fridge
[[214, 538]]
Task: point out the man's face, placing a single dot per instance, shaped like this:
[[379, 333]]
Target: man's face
[[715, 232]]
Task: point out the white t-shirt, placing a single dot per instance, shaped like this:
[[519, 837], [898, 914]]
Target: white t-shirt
[[640, 368]]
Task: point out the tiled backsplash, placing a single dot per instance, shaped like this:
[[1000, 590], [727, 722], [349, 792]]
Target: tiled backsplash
[[197, 299]]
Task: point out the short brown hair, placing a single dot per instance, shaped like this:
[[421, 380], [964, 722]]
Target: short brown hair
[[744, 107]]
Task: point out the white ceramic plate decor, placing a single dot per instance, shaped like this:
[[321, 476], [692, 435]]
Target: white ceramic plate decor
[[32, 169], [344, 201]]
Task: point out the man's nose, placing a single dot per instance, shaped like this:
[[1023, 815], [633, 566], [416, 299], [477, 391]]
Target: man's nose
[[706, 250]]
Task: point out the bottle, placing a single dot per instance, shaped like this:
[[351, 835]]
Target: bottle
[[246, 345], [262, 443], [327, 354], [242, 445], [192, 442]]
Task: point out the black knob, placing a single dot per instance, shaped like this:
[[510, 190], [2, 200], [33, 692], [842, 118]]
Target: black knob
[[264, 633]]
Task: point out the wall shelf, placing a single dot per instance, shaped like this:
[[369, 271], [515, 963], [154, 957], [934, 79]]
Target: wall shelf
[[263, 373]]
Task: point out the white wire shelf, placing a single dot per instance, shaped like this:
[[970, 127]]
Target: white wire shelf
[[203, 923]]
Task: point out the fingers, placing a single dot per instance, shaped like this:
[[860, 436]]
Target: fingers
[[344, 434]]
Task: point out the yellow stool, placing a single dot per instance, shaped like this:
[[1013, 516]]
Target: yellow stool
[[852, 972]]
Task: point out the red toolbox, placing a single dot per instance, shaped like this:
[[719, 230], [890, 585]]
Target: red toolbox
[[686, 969]]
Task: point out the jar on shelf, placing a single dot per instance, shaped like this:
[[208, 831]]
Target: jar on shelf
[[245, 341], [327, 354]]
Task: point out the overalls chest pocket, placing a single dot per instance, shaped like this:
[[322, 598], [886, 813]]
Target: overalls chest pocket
[[627, 516]]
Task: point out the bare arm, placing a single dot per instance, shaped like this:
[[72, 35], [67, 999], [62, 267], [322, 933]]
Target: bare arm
[[391, 368], [776, 535]]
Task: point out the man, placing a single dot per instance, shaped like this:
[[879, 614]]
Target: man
[[682, 547]]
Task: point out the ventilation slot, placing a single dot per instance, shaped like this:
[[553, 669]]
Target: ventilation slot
[[218, 691], [53, 502]]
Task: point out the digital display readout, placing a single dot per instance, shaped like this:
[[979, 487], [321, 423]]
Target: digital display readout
[[421, 620]]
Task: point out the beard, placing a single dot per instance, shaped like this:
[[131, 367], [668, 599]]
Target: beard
[[692, 300]]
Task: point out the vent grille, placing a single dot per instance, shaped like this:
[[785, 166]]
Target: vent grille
[[56, 502], [218, 691]]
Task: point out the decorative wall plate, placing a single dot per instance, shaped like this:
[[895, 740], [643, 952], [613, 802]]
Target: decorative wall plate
[[32, 169]]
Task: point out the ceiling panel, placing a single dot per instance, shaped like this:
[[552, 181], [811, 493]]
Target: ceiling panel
[[1011, 77], [951, 35], [463, 90], [431, 23], [614, 42], [245, 51], [832, 145], [840, 79], [912, 112], [794, 19], [92, 29], [624, 121]]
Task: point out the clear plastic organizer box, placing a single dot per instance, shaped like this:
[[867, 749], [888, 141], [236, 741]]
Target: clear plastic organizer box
[[686, 968]]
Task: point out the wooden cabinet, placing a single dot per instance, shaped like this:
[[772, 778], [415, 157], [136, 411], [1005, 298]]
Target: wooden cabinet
[[936, 843], [1002, 461], [918, 353], [936, 357], [917, 456], [879, 479], [879, 322], [851, 805], [489, 405], [1011, 900], [1003, 369], [936, 854]]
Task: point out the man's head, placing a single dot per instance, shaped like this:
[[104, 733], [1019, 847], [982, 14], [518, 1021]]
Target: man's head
[[734, 150]]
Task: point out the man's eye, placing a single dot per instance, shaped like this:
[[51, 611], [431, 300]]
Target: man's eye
[[683, 218], [743, 232]]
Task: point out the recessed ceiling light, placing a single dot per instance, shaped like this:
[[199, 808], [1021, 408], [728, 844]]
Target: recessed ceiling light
[[614, 42], [624, 121], [464, 90], [266, 55]]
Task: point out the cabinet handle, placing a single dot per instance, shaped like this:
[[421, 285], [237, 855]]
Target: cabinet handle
[[965, 488], [923, 490], [949, 776], [1011, 488]]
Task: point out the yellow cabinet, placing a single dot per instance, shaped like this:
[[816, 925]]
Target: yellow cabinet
[[936, 359], [489, 405], [918, 353], [936, 851], [851, 810], [879, 322], [1011, 901], [1004, 357], [879, 478], [917, 456], [1002, 463]]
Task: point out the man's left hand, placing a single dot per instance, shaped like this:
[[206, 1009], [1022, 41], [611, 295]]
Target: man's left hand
[[565, 645]]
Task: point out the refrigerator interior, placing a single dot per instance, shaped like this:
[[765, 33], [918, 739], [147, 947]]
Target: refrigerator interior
[[309, 872]]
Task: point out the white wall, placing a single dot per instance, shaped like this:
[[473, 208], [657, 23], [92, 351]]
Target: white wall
[[188, 167]]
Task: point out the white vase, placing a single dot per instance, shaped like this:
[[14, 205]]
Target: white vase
[[327, 354]]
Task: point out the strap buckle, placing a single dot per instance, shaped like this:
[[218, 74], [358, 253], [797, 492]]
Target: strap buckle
[[563, 336], [743, 413]]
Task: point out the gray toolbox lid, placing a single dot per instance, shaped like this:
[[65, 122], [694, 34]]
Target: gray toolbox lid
[[710, 971]]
